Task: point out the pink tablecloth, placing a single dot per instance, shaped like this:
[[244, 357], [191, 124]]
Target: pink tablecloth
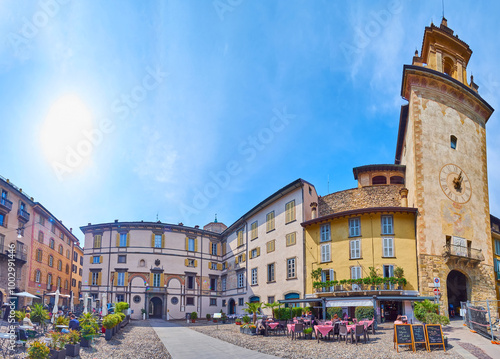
[[290, 327], [366, 323], [273, 325], [323, 329]]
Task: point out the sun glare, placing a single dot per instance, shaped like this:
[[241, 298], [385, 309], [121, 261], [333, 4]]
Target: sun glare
[[65, 125]]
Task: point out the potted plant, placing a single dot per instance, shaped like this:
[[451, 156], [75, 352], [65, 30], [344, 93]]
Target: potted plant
[[38, 350], [57, 345], [237, 321], [73, 346], [194, 316], [108, 323], [61, 320], [253, 308], [208, 316], [19, 315], [39, 314], [88, 332], [308, 333], [121, 319], [223, 317], [143, 312], [246, 319]]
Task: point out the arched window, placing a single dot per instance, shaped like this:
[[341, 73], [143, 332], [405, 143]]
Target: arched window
[[292, 296], [51, 261], [51, 243], [142, 263], [60, 249], [59, 265], [49, 279], [453, 142], [379, 180], [58, 282], [66, 284], [37, 276], [67, 268], [67, 253], [448, 66], [397, 180]]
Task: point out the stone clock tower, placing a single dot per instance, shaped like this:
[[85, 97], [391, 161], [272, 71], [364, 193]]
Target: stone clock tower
[[442, 143]]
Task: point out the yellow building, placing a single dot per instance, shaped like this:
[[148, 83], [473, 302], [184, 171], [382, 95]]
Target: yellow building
[[364, 232]]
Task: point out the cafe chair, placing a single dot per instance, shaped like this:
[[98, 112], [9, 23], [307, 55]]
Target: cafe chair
[[358, 332]]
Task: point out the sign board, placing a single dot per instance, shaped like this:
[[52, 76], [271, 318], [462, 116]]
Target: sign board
[[403, 335], [434, 335], [419, 334], [437, 282], [217, 315], [437, 291]]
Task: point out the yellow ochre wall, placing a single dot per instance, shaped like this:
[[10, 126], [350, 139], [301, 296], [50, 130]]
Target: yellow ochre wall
[[371, 247]]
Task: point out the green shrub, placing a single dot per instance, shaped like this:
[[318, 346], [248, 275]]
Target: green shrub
[[39, 314], [194, 315], [308, 330], [108, 322], [334, 310], [38, 350], [246, 319], [282, 313], [208, 316], [422, 308], [121, 316], [121, 306], [364, 313], [296, 311], [434, 318], [19, 315]]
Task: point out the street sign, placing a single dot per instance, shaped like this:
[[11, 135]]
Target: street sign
[[437, 291], [437, 283]]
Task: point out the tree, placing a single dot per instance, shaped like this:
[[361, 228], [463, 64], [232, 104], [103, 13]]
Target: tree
[[253, 308], [273, 306]]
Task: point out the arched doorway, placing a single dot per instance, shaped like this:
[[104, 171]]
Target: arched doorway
[[457, 289], [232, 306], [155, 307]]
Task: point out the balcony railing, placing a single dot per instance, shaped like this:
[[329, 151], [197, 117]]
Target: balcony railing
[[21, 213], [18, 255], [5, 204], [471, 255]]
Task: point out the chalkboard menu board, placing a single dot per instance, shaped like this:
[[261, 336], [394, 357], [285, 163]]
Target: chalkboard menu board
[[403, 336], [434, 334], [418, 333]]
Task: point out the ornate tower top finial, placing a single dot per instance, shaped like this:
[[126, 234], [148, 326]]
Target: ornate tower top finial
[[215, 221]]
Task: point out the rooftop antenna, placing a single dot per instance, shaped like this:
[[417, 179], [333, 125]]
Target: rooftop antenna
[[328, 185], [442, 2], [156, 216]]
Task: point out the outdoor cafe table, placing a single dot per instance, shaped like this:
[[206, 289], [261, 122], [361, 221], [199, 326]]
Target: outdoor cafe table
[[273, 325], [291, 329], [323, 329]]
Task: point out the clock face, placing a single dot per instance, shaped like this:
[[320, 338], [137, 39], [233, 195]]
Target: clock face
[[455, 183]]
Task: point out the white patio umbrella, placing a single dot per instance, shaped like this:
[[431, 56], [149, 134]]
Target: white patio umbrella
[[104, 304], [56, 309], [85, 303], [71, 304], [25, 294]]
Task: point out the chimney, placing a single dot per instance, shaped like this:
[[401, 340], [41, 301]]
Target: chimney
[[196, 227], [116, 221], [181, 224], [71, 230]]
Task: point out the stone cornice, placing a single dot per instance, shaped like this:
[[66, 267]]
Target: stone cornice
[[467, 100]]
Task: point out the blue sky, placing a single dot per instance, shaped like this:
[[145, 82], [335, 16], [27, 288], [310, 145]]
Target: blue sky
[[129, 109]]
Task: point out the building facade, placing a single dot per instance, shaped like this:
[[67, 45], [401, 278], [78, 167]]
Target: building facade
[[51, 257], [495, 242], [76, 274], [16, 220], [364, 232], [170, 270], [442, 143]]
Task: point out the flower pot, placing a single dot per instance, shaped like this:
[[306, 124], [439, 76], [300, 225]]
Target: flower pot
[[308, 336], [57, 354], [73, 350], [85, 342], [193, 320], [108, 335]]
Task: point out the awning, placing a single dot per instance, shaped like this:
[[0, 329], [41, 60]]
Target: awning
[[350, 303]]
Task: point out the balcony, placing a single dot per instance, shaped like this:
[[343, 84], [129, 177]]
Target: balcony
[[18, 256], [5, 205], [23, 215], [461, 254], [359, 290]]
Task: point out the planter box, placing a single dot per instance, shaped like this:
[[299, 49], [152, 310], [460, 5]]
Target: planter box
[[108, 335], [57, 354], [72, 350], [249, 331], [85, 342]]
